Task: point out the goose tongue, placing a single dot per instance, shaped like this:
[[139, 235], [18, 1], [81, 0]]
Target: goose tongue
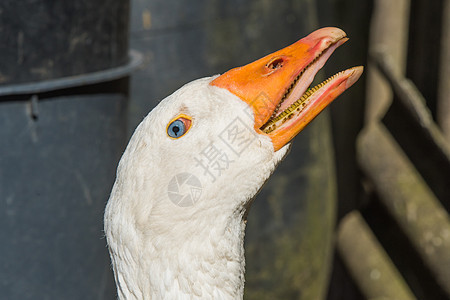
[[272, 85]]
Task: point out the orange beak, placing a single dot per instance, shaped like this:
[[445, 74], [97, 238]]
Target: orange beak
[[276, 86]]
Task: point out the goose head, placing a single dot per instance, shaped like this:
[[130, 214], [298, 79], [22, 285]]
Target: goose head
[[175, 219]]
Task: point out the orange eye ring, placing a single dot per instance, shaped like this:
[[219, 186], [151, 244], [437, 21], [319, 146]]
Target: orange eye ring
[[178, 126]]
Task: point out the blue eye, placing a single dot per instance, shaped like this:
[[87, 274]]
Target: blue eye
[[178, 127]]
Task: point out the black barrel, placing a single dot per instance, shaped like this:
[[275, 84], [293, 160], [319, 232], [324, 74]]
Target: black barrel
[[64, 69], [47, 39]]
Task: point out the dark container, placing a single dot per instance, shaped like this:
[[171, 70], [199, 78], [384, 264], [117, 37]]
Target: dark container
[[47, 39], [64, 69]]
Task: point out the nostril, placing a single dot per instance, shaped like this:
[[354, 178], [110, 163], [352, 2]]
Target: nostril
[[276, 63]]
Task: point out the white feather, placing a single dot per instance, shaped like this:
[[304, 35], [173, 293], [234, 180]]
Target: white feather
[[163, 251]]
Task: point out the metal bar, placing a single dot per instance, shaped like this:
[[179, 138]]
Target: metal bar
[[409, 200], [410, 122], [73, 81], [443, 105], [423, 48], [389, 31], [399, 247], [370, 266]]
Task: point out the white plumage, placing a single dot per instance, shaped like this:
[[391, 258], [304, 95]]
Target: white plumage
[[164, 247], [161, 250]]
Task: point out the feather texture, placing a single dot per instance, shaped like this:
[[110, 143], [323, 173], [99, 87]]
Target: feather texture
[[161, 250]]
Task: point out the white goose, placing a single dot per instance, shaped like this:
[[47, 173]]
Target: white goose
[[175, 219]]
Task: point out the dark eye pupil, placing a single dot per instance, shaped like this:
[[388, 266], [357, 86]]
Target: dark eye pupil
[[176, 129]]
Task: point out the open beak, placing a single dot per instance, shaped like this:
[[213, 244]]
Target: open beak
[[277, 86]]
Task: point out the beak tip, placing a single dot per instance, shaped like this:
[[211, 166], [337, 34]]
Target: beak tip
[[328, 36], [331, 31], [354, 76]]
